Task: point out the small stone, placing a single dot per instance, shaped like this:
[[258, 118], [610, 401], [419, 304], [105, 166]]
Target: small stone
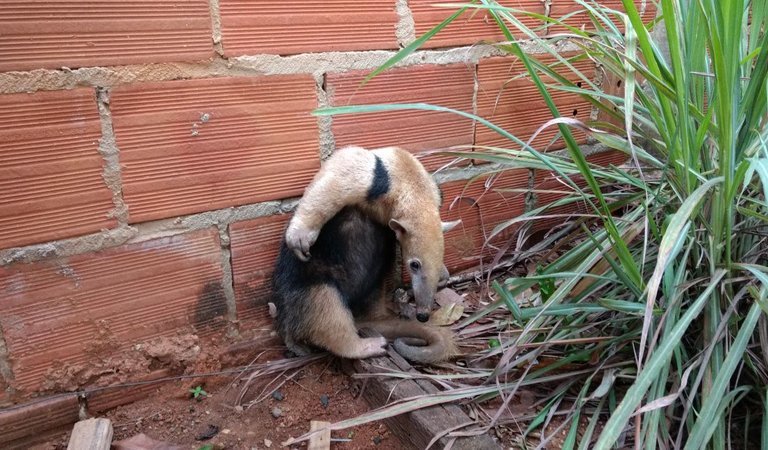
[[377, 440], [267, 443], [226, 431], [276, 412], [238, 409], [324, 400], [277, 395], [210, 432]]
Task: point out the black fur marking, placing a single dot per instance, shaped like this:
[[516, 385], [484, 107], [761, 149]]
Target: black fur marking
[[353, 254], [380, 184]]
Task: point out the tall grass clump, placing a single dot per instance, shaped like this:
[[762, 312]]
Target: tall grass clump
[[655, 333]]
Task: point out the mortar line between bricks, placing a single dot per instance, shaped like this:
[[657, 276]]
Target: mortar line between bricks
[[227, 282], [475, 92], [530, 196], [548, 13], [326, 139], [111, 171], [215, 10], [241, 66], [405, 28], [6, 372]]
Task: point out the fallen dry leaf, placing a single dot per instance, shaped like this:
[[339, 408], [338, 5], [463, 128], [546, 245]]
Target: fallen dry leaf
[[448, 296], [446, 315]]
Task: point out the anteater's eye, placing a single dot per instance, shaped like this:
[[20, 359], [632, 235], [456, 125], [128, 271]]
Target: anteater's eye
[[415, 265]]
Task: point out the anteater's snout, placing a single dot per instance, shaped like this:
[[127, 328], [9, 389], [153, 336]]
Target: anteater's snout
[[422, 317]]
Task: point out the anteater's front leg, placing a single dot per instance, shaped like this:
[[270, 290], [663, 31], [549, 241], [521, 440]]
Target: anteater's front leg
[[346, 178], [330, 325]]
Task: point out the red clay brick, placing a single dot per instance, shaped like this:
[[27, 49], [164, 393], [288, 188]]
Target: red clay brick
[[581, 20], [197, 145], [612, 85], [50, 167], [557, 216], [64, 313], [472, 27], [554, 181], [78, 33], [503, 202], [255, 245], [608, 158], [450, 86], [463, 242], [515, 105], [481, 208], [5, 398], [549, 188], [299, 26]]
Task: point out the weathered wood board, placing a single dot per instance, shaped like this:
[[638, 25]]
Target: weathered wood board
[[416, 429]]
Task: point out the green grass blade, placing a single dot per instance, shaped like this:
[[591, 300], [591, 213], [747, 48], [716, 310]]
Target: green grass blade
[[586, 438], [669, 247], [764, 427], [703, 429], [658, 358], [512, 306]]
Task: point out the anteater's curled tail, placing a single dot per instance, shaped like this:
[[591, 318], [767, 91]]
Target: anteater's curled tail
[[414, 341]]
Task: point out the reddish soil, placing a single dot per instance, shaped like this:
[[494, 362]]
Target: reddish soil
[[172, 416]]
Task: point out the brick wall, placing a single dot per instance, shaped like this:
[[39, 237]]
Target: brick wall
[[151, 153]]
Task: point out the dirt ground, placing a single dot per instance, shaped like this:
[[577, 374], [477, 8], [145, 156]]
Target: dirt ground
[[318, 392]]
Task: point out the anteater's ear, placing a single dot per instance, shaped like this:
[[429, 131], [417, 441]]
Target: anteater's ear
[[448, 226], [397, 227]]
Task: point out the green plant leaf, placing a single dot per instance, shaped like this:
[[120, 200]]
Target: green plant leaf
[[413, 46], [657, 359], [546, 285], [669, 247], [702, 430]]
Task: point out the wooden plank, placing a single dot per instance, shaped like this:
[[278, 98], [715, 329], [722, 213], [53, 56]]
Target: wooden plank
[[106, 399], [416, 429], [322, 440], [29, 423], [22, 423], [91, 434]]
